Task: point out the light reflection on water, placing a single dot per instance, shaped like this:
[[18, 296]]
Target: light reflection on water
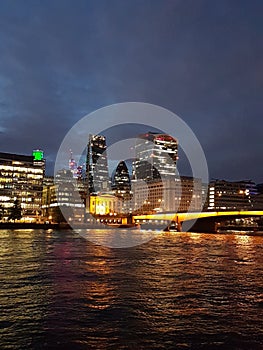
[[118, 238], [179, 291]]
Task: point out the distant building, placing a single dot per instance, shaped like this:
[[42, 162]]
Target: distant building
[[231, 195], [77, 170], [156, 155], [72, 164], [21, 178], [97, 173]]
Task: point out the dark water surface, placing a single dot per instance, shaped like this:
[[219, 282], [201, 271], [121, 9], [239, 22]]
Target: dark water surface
[[179, 291]]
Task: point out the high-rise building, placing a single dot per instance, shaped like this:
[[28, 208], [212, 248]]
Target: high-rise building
[[97, 165], [21, 179], [121, 182], [121, 187], [156, 155]]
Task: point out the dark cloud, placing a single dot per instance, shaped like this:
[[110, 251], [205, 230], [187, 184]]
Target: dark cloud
[[201, 59]]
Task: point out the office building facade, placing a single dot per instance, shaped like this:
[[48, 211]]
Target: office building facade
[[21, 179], [156, 156], [97, 173], [231, 195], [178, 194], [65, 194]]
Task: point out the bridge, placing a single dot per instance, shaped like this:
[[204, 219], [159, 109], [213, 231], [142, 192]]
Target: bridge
[[199, 221]]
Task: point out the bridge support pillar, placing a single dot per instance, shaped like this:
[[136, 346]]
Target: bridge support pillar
[[178, 223], [179, 226]]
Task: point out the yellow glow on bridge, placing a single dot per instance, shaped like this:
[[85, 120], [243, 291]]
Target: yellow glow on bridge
[[180, 217]]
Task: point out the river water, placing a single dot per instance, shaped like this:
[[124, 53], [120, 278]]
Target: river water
[[178, 291]]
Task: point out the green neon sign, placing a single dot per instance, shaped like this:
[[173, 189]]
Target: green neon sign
[[38, 155]]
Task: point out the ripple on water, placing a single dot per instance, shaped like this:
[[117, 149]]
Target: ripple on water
[[180, 291]]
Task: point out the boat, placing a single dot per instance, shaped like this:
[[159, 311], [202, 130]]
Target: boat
[[172, 227]]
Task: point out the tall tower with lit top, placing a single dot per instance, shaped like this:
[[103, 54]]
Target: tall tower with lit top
[[156, 156], [97, 172]]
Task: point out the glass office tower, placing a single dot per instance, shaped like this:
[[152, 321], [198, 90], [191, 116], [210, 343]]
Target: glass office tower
[[97, 165], [121, 182], [156, 155]]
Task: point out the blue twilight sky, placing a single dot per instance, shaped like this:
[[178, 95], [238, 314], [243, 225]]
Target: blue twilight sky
[[202, 59]]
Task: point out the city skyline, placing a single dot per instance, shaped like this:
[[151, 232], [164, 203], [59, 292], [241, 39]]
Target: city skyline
[[131, 184], [27, 195], [202, 60], [112, 166]]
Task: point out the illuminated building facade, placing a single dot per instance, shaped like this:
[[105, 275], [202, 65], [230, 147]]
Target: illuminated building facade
[[106, 208], [156, 156], [97, 165], [169, 195], [162, 190], [21, 178], [231, 195], [105, 205], [64, 194]]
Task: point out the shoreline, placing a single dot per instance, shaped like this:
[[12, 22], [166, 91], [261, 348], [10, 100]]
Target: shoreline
[[27, 225]]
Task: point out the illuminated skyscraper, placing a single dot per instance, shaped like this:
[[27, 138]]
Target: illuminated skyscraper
[[97, 165], [121, 182], [156, 155]]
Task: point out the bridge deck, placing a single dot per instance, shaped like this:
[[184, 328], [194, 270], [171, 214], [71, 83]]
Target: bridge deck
[[180, 217]]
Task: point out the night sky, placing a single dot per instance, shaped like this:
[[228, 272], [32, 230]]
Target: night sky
[[203, 60]]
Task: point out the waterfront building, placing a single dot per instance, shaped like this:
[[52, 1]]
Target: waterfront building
[[231, 195], [21, 179], [105, 205], [156, 156], [178, 194], [64, 193], [205, 187], [97, 173]]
